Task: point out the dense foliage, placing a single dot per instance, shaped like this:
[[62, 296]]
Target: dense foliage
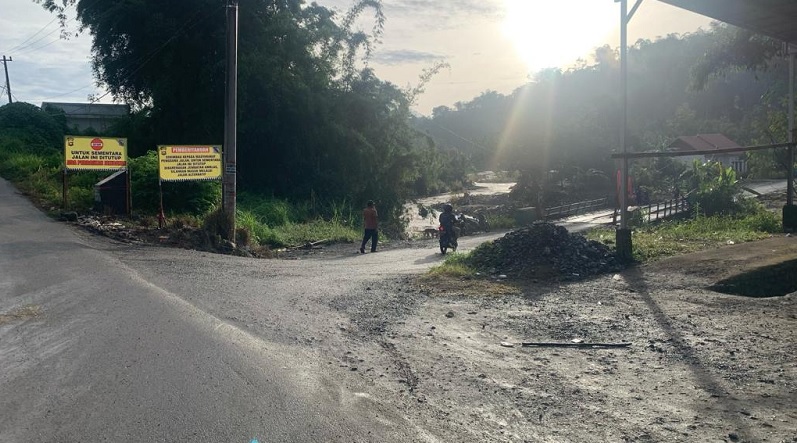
[[23, 123], [314, 121]]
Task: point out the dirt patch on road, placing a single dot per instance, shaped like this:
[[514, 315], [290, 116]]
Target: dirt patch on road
[[23, 313], [702, 366], [720, 263]]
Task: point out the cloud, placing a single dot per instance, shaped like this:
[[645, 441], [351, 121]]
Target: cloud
[[405, 56], [445, 7], [442, 14], [429, 14]]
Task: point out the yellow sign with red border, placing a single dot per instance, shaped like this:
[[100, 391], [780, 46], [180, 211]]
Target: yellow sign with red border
[[83, 153], [189, 162]]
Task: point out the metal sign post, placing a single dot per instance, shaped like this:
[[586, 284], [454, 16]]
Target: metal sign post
[[230, 120], [623, 234]]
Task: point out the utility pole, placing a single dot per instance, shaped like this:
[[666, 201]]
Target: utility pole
[[8, 83], [230, 120]]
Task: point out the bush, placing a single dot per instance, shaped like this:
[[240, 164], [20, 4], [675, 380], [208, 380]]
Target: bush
[[716, 190], [35, 129], [192, 197]]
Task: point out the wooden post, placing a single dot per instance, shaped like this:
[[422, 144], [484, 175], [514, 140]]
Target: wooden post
[[65, 190], [128, 194], [161, 215]]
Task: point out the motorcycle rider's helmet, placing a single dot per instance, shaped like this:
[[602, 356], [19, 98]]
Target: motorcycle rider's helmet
[[448, 208]]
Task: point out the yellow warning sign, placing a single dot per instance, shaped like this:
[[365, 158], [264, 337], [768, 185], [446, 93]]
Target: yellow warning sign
[[95, 153], [182, 163]]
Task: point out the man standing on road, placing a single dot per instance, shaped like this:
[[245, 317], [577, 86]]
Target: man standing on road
[[370, 224]]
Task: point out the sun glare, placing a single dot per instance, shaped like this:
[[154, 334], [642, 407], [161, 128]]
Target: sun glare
[[556, 33]]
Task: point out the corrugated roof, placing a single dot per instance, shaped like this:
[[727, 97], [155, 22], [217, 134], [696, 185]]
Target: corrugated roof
[[773, 18], [702, 142], [91, 109]]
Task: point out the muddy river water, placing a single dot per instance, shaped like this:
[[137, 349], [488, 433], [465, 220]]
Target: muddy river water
[[417, 224]]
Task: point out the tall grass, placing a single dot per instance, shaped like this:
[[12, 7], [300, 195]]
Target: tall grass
[[259, 232], [279, 223], [295, 234]]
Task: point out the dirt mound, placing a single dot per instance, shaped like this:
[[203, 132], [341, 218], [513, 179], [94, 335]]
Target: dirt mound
[[544, 250]]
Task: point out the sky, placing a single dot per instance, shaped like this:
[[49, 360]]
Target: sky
[[488, 44]]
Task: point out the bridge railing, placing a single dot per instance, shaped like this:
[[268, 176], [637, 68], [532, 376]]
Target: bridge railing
[[657, 211], [576, 208]]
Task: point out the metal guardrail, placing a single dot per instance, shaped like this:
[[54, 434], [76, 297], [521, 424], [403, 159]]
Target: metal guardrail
[[656, 211], [576, 208]]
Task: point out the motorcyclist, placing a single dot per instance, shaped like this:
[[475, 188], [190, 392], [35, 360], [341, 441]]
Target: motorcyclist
[[447, 220]]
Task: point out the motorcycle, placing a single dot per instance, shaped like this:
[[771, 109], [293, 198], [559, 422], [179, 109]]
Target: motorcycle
[[447, 240]]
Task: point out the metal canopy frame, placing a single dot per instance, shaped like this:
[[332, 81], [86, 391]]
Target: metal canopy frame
[[772, 18]]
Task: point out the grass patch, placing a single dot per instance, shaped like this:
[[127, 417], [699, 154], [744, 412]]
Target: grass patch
[[454, 277], [455, 265], [498, 221], [656, 241], [294, 234]]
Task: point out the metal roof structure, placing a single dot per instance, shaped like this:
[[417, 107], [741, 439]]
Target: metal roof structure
[[702, 142], [773, 18]]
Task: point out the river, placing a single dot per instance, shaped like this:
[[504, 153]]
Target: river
[[418, 224]]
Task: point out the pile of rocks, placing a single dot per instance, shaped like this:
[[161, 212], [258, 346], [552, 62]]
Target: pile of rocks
[[544, 250]]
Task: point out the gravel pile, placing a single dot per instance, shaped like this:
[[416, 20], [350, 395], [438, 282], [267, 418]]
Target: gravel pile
[[544, 250]]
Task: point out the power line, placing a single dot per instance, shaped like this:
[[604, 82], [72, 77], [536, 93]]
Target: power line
[[43, 46], [67, 93], [23, 47], [32, 36]]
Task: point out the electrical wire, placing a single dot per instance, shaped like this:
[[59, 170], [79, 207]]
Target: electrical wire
[[18, 46], [24, 47], [43, 46]]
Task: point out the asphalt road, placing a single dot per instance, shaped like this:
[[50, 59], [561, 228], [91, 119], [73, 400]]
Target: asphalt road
[[101, 341]]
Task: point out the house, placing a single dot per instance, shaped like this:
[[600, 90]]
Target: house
[[97, 116], [707, 142]]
